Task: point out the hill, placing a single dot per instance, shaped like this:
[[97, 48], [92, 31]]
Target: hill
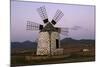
[[64, 43], [25, 44]]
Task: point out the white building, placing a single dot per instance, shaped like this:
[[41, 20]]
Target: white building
[[49, 41]]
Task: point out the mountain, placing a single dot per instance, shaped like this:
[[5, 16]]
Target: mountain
[[68, 41], [23, 45], [64, 42], [73, 42]]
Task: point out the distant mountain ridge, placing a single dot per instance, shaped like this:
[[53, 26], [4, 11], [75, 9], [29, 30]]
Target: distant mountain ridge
[[25, 45], [72, 42], [64, 42]]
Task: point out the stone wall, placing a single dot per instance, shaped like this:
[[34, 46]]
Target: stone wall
[[44, 45]]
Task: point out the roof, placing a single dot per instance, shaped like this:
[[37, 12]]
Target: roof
[[49, 27]]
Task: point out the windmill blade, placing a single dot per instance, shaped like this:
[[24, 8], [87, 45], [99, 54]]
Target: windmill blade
[[64, 31], [57, 17], [33, 26], [76, 28], [43, 14]]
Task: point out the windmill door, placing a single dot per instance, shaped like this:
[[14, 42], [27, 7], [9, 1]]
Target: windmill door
[[57, 43]]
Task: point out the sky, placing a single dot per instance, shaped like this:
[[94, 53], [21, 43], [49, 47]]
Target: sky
[[81, 16]]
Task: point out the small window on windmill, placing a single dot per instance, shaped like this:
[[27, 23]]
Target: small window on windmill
[[41, 27], [57, 43]]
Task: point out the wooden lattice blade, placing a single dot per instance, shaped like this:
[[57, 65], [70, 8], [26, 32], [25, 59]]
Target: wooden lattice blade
[[43, 14], [33, 26]]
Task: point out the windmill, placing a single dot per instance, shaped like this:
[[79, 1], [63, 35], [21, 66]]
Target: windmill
[[49, 35]]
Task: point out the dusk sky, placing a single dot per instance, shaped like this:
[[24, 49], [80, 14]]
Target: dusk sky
[[82, 16]]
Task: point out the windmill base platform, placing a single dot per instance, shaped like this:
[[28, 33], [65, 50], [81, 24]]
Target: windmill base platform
[[53, 52]]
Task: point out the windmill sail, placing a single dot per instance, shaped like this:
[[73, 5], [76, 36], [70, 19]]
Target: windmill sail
[[43, 14], [33, 26], [76, 27], [64, 31], [57, 17]]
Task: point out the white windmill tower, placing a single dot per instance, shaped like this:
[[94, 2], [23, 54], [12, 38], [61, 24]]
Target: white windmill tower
[[49, 36]]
